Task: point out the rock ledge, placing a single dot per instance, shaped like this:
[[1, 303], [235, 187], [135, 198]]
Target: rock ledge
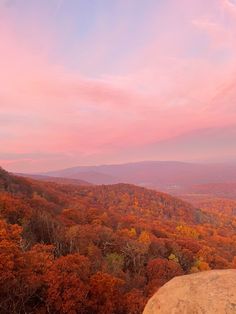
[[208, 292]]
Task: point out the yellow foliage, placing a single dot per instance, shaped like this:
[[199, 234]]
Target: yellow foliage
[[187, 231], [201, 265], [136, 203], [144, 237], [173, 258], [133, 232]]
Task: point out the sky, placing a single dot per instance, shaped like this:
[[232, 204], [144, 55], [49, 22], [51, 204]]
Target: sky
[[99, 81]]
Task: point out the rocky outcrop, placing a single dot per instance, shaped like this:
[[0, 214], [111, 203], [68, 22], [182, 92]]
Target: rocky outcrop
[[210, 292]]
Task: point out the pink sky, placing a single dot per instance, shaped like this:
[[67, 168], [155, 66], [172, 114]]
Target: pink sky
[[110, 83]]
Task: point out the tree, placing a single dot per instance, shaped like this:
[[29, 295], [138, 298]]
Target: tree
[[115, 264], [134, 302], [67, 284], [105, 295], [162, 270]]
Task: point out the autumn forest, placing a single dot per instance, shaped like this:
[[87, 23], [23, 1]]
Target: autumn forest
[[90, 249]]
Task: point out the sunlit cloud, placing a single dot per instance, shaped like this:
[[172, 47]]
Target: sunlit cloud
[[53, 101]]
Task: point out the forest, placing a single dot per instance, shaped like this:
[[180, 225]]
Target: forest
[[105, 249]]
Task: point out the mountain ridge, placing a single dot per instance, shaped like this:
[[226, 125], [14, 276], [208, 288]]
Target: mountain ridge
[[157, 174]]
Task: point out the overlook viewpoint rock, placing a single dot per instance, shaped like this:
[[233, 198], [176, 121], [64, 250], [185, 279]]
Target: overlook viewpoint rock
[[208, 292]]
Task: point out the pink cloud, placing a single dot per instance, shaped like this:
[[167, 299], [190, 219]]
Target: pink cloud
[[229, 6], [164, 91], [218, 34]]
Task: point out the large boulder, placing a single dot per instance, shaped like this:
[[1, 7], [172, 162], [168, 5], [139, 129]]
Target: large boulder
[[210, 292]]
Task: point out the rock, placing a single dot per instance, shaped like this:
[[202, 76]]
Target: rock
[[210, 292]]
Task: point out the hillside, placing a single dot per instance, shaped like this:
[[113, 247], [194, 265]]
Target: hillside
[[100, 249]]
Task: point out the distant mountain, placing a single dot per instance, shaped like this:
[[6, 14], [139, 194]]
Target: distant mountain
[[158, 174], [54, 179], [95, 175]]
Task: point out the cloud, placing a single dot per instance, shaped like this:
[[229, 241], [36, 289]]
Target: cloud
[[167, 87], [229, 6], [218, 35]]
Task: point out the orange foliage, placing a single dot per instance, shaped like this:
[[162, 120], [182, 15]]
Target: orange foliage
[[100, 249]]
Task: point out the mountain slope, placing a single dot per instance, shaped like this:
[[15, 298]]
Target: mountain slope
[[129, 199]]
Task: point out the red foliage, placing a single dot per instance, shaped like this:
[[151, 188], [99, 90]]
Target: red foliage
[[105, 293], [100, 249], [162, 270]]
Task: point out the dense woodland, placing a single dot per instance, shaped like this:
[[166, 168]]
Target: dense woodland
[[101, 249]]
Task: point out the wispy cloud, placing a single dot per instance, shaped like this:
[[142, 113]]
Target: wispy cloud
[[180, 80]]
